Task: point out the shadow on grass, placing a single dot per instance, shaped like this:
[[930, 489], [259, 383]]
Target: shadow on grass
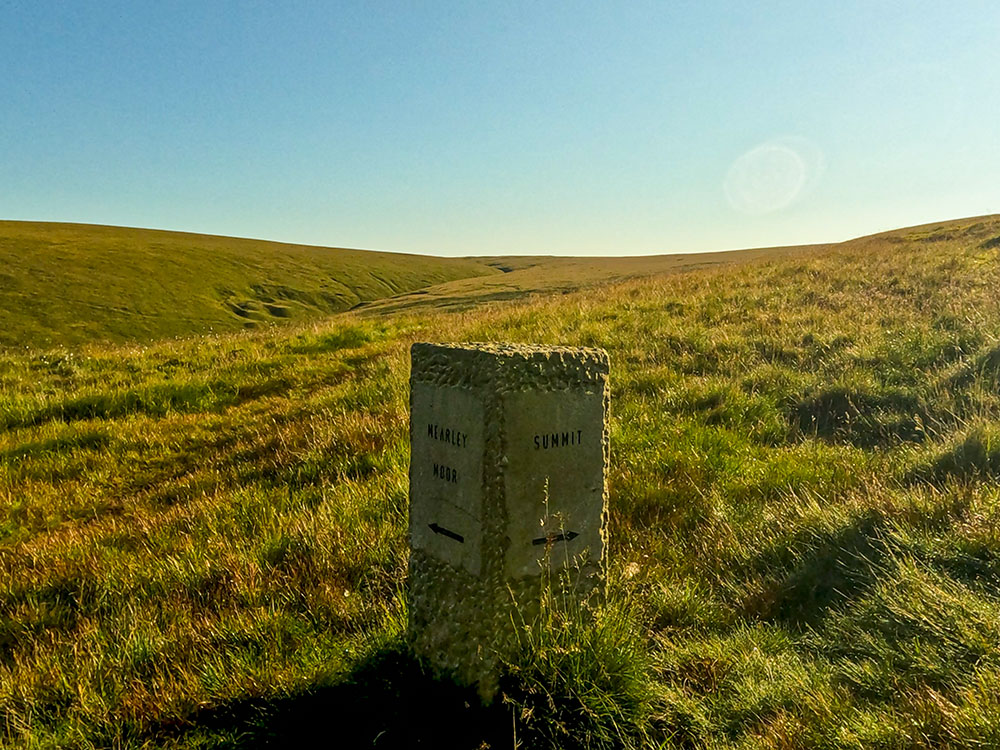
[[387, 701], [840, 567], [156, 400], [863, 417], [974, 457]]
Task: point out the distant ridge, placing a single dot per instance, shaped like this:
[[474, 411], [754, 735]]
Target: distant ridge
[[67, 284], [526, 275]]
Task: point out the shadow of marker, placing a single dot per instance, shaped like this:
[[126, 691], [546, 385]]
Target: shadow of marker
[[387, 702]]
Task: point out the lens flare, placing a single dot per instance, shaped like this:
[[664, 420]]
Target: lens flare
[[772, 176]]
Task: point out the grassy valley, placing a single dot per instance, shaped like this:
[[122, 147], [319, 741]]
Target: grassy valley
[[528, 276], [203, 541], [70, 284]]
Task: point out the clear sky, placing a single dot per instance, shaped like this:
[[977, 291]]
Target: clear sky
[[516, 127]]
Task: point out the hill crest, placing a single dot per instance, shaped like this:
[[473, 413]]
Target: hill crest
[[67, 284]]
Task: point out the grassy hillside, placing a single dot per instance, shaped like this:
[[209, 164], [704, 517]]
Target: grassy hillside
[[73, 283], [202, 542]]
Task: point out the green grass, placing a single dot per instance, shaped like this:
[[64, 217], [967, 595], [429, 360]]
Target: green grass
[[203, 543], [69, 284]]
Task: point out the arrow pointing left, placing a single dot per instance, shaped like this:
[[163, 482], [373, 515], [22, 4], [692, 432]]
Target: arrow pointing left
[[446, 532]]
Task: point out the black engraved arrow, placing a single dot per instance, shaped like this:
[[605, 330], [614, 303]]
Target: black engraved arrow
[[551, 538], [446, 532]]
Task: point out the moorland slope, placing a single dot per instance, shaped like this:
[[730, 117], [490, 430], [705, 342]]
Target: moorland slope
[[66, 284], [203, 542]]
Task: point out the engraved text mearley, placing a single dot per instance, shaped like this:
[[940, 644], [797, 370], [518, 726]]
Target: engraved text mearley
[[447, 435]]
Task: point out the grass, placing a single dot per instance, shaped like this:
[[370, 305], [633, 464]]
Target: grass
[[70, 284], [578, 676], [73, 284], [202, 541]]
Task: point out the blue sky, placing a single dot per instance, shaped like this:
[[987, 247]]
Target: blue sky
[[516, 127]]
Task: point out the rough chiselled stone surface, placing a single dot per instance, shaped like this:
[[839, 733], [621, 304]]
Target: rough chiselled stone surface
[[508, 465]]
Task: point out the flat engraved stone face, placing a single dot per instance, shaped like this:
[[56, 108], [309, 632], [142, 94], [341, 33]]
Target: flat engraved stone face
[[446, 474], [553, 478]]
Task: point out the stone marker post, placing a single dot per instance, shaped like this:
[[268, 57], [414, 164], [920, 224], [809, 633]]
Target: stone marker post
[[508, 465]]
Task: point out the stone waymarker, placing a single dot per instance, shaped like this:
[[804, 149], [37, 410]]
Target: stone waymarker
[[508, 460]]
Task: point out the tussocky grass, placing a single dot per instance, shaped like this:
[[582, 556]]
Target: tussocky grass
[[200, 537]]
